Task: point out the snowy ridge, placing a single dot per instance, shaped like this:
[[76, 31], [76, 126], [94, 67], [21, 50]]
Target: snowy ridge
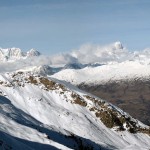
[[56, 115], [105, 73]]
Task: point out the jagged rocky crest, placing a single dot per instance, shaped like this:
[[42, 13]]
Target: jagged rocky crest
[[12, 54], [50, 108]]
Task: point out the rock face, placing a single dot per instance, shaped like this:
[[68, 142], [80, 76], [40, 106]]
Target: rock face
[[56, 115]]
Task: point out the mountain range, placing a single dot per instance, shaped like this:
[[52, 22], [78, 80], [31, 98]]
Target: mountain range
[[74, 105], [12, 54]]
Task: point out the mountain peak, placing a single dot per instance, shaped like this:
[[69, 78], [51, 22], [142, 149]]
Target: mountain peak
[[33, 52], [118, 45]]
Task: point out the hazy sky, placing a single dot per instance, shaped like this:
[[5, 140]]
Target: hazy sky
[[53, 26]]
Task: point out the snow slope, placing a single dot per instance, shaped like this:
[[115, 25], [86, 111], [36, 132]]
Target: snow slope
[[44, 113], [105, 73]]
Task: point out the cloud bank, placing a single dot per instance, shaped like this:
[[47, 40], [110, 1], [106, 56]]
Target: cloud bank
[[88, 53], [96, 53]]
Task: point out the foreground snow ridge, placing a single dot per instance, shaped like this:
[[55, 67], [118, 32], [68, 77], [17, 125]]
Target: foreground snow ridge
[[43, 113]]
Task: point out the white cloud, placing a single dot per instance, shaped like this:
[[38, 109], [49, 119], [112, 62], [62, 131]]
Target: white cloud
[[22, 63], [63, 59], [96, 53]]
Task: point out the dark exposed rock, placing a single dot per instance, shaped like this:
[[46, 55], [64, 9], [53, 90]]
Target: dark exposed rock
[[133, 96]]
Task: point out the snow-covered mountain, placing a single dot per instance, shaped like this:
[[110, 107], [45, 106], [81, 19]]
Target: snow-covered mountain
[[32, 53], [13, 54], [41, 109], [105, 73], [43, 113], [73, 66]]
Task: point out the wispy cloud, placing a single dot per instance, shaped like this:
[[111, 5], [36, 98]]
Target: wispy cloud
[[96, 53]]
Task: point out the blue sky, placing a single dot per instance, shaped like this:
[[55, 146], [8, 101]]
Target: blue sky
[[54, 26]]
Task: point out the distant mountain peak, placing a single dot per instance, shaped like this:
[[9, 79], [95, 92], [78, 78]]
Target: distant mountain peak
[[73, 66], [118, 45], [33, 52]]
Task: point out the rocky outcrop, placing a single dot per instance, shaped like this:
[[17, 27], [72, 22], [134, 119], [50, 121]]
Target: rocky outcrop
[[133, 96]]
